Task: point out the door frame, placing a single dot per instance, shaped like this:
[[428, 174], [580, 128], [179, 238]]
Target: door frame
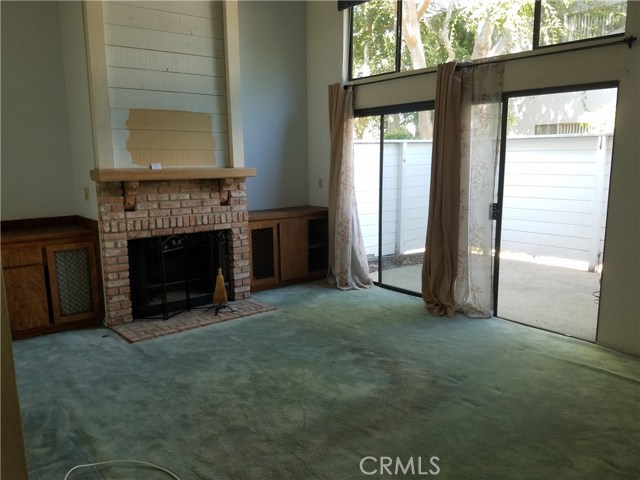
[[381, 112], [506, 96]]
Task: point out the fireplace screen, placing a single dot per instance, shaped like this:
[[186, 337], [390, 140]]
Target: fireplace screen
[[175, 273]]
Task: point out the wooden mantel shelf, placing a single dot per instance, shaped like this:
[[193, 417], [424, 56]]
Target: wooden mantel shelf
[[145, 174]]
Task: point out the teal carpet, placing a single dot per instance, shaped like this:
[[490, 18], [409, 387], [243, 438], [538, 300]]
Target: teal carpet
[[307, 391]]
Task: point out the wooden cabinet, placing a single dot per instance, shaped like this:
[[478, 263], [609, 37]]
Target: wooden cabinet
[[287, 245], [50, 274]]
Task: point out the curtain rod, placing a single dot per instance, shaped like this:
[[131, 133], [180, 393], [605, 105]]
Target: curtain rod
[[626, 41]]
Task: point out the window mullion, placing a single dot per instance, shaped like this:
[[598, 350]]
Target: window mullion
[[537, 13], [350, 43], [398, 35]]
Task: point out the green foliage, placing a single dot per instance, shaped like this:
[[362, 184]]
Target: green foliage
[[570, 20], [374, 28], [477, 28], [374, 33]]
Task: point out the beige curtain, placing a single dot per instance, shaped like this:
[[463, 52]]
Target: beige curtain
[[457, 268], [440, 262], [348, 267], [479, 153]]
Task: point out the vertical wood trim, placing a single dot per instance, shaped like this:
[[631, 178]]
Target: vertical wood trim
[[234, 99], [98, 85], [14, 462]]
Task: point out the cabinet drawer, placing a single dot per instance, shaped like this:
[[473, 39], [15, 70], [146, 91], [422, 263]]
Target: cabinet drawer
[[19, 257]]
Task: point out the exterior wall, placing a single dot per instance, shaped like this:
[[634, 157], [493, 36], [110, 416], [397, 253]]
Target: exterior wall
[[166, 208], [166, 56], [594, 108]]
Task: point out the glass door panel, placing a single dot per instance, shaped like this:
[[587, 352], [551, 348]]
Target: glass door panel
[[367, 185], [556, 179], [393, 174], [406, 177]]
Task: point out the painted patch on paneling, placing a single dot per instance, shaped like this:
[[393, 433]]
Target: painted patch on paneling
[[172, 138]]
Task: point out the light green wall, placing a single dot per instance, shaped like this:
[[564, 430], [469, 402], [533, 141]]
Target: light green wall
[[37, 171], [78, 107], [325, 32], [47, 144], [274, 109], [619, 318]]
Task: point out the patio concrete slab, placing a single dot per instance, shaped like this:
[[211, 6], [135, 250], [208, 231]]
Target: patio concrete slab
[[557, 299]]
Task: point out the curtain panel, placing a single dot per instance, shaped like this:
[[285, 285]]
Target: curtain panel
[[439, 267], [481, 117], [457, 269], [348, 266]]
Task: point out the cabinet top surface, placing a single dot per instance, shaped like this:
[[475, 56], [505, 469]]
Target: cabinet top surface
[[33, 231], [290, 212]]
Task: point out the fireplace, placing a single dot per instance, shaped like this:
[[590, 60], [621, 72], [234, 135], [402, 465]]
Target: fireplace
[[148, 205], [171, 274]]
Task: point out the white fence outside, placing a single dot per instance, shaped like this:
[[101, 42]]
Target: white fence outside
[[555, 200]]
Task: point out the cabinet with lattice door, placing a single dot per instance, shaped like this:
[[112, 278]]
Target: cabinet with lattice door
[[287, 245], [51, 275]]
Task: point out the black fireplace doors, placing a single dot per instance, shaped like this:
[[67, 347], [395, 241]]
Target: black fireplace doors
[[171, 274]]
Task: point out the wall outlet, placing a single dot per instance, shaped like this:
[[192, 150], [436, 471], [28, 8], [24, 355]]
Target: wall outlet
[[86, 193], [320, 182]]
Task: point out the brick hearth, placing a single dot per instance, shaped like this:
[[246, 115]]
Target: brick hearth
[[167, 207]]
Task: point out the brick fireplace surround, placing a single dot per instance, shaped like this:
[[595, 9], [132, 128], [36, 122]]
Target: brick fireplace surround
[[150, 208]]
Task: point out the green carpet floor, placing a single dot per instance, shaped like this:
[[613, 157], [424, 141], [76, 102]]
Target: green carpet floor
[[331, 377]]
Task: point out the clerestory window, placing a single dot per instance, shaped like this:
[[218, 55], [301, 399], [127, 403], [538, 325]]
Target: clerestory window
[[402, 35]]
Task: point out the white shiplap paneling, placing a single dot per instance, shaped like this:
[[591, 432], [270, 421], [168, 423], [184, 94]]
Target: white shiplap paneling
[[123, 36], [136, 58], [165, 56], [117, 13], [154, 100], [164, 81], [192, 8]]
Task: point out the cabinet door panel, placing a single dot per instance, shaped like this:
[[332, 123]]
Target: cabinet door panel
[[294, 246], [26, 297], [264, 263], [74, 281]]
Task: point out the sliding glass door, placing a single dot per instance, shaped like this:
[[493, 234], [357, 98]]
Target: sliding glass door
[[554, 188], [392, 175]]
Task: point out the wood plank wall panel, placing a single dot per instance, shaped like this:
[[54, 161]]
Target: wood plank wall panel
[[166, 57]]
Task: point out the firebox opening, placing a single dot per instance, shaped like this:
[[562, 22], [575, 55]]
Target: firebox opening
[[174, 273]]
